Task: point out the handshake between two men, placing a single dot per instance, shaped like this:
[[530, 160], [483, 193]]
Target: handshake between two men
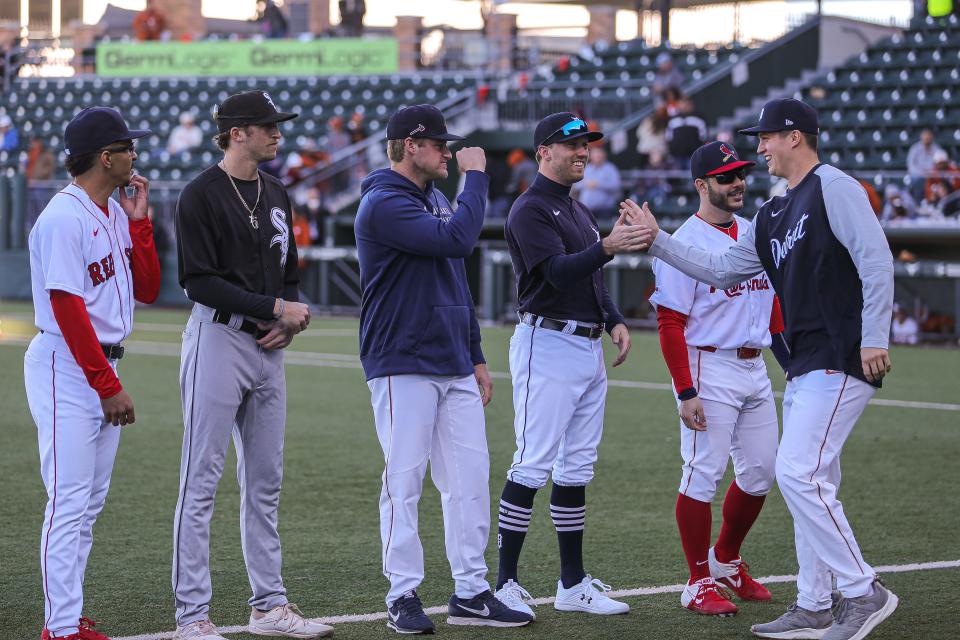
[[635, 229]]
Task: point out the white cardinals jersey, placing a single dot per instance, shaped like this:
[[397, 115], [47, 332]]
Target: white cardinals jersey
[[93, 264], [725, 319]]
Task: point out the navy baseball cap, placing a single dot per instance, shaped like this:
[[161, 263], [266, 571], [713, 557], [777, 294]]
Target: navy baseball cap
[[249, 107], [785, 114], [95, 128], [419, 121], [714, 158], [561, 127]]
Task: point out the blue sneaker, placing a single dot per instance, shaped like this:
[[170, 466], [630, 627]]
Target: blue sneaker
[[486, 611], [405, 615]]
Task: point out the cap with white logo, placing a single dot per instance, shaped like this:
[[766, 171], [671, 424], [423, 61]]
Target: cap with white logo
[[785, 114]]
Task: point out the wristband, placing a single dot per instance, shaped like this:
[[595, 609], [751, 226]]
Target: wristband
[[687, 394], [280, 312]]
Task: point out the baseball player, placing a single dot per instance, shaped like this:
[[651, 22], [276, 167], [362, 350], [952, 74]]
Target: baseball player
[[712, 340], [428, 380], [90, 257], [238, 264], [828, 260], [556, 361]]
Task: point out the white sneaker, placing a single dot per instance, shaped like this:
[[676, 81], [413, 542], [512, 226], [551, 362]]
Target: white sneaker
[[199, 630], [288, 622], [515, 597], [589, 596]]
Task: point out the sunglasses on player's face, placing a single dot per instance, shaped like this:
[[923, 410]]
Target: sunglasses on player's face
[[728, 176]]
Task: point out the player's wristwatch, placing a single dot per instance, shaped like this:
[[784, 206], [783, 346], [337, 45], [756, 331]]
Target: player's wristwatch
[[687, 394]]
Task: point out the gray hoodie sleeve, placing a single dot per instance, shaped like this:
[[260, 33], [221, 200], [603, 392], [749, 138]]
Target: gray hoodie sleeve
[[721, 270], [854, 224]]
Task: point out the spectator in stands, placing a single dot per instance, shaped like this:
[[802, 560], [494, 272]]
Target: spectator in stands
[[185, 136], [351, 17], [272, 21], [899, 206], [40, 161], [149, 24], [668, 77], [942, 189], [337, 139], [686, 132], [903, 329], [600, 189], [652, 139], [498, 195], [920, 162], [522, 171], [358, 133], [876, 202], [9, 136]]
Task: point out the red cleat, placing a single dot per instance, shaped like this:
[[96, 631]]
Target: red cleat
[[46, 635], [707, 598], [734, 576], [87, 632]]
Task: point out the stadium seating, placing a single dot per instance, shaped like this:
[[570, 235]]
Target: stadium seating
[[872, 109], [43, 107], [616, 78]]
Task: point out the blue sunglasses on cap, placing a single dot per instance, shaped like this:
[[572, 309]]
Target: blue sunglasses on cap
[[572, 127]]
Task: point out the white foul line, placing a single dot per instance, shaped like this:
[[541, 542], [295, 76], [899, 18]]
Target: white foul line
[[622, 593], [352, 361]]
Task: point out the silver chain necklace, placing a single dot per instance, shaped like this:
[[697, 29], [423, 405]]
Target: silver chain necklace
[[252, 211]]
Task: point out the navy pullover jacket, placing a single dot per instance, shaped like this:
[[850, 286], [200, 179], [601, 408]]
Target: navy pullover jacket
[[416, 313]]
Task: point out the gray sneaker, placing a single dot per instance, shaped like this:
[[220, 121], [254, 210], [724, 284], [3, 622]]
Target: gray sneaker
[[857, 617], [796, 624]]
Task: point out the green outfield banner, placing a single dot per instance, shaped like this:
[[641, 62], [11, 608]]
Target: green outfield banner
[[323, 57]]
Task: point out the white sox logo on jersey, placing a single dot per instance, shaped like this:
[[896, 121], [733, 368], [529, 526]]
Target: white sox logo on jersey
[[279, 219], [781, 250]]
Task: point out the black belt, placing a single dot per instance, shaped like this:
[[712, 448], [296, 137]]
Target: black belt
[[246, 326], [584, 331], [112, 351]]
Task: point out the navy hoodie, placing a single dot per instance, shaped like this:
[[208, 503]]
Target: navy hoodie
[[417, 314]]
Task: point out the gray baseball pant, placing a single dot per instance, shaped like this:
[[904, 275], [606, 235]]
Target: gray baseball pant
[[229, 385]]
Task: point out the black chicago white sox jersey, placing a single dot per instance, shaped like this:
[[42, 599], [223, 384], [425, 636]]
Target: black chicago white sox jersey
[[215, 238]]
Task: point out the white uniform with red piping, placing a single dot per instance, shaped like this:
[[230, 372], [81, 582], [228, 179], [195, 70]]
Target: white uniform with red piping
[[735, 392], [74, 247]]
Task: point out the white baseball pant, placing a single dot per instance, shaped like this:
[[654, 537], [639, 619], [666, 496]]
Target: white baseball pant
[[77, 450], [741, 425], [820, 409], [559, 390], [435, 419]]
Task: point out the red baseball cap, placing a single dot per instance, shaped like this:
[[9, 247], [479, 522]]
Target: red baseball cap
[[716, 157]]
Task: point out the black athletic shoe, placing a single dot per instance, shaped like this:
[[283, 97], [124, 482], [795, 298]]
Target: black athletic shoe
[[406, 615], [486, 611]]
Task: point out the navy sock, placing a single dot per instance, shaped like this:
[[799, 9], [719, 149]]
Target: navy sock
[[516, 509], [568, 508]]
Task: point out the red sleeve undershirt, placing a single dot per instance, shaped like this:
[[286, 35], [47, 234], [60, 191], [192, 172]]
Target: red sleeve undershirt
[[144, 262], [71, 314], [671, 325], [776, 317]]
